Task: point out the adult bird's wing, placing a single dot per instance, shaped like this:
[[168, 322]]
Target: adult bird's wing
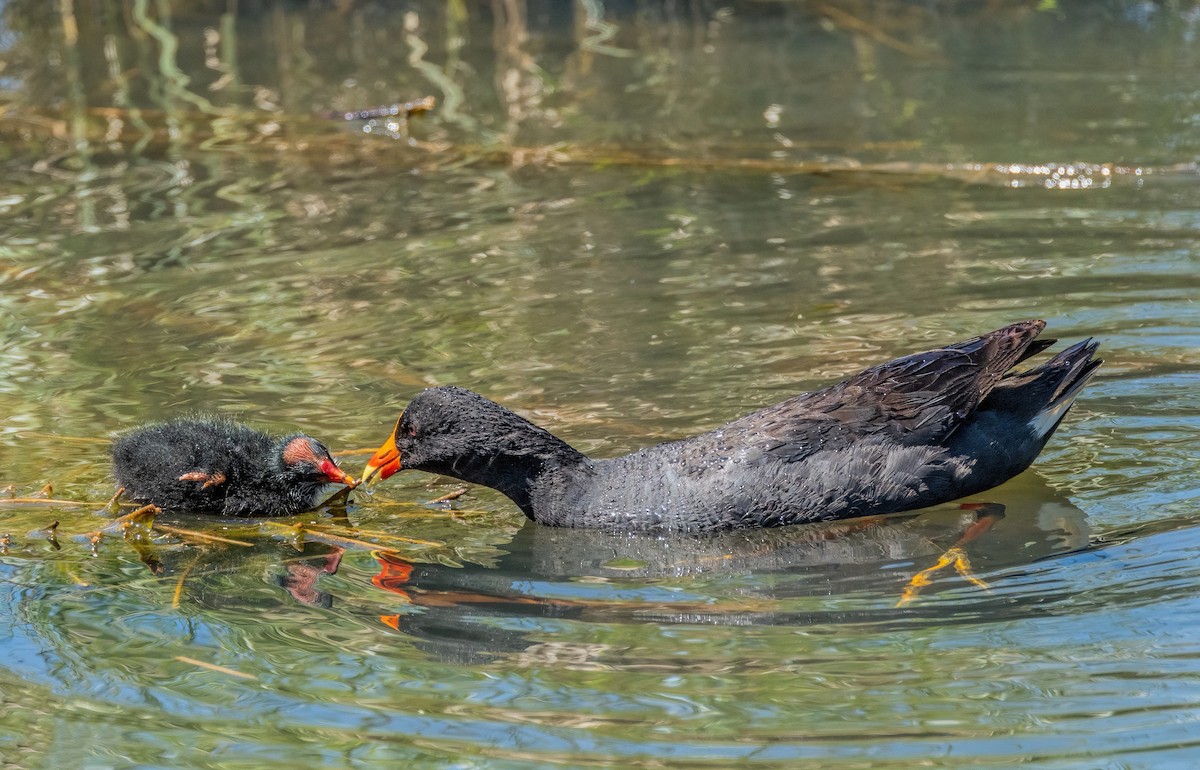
[[914, 400]]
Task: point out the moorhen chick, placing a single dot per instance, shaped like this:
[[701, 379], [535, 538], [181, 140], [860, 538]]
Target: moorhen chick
[[917, 431], [215, 466]]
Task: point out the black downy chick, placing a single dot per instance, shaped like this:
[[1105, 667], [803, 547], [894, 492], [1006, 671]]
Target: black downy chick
[[220, 467]]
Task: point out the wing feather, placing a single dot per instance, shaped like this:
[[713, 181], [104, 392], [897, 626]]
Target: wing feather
[[918, 399]]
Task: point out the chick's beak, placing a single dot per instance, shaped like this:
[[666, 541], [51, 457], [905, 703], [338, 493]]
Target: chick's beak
[[336, 474], [384, 463]]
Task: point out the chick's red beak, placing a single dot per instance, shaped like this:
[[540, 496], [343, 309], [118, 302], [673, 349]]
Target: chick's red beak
[[335, 474], [384, 463]]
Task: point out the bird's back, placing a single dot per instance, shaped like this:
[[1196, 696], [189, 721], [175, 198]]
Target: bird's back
[[149, 461]]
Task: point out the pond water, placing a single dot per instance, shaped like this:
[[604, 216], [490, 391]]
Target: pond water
[[629, 221]]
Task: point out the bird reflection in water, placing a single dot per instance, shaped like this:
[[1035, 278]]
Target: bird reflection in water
[[747, 578], [762, 577]]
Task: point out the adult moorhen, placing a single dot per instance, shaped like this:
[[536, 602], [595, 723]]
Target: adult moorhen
[[215, 466], [917, 431]]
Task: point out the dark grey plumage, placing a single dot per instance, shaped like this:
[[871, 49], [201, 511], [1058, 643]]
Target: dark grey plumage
[[920, 430], [220, 467]]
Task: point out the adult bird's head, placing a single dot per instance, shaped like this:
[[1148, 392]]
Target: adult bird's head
[[432, 433], [455, 432]]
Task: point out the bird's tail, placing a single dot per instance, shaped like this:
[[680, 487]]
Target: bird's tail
[[1045, 393]]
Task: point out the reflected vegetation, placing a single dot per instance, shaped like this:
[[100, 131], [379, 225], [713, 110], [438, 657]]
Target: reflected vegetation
[[632, 221]]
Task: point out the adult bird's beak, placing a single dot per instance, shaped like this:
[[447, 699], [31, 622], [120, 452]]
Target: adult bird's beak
[[384, 463]]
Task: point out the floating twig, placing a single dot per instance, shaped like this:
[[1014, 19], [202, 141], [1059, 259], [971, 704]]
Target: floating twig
[[449, 496], [215, 667], [300, 532], [200, 535], [304, 534], [384, 536], [42, 501], [407, 109], [114, 503], [124, 521], [425, 512], [423, 509], [80, 439]]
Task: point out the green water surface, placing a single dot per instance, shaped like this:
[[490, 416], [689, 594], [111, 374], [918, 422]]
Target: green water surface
[[629, 221]]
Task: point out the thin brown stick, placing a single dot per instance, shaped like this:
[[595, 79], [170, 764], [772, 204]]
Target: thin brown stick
[[215, 667], [123, 522], [146, 510], [432, 513], [80, 439], [114, 503], [324, 537], [409, 504], [43, 501], [382, 536], [200, 535], [450, 496]]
